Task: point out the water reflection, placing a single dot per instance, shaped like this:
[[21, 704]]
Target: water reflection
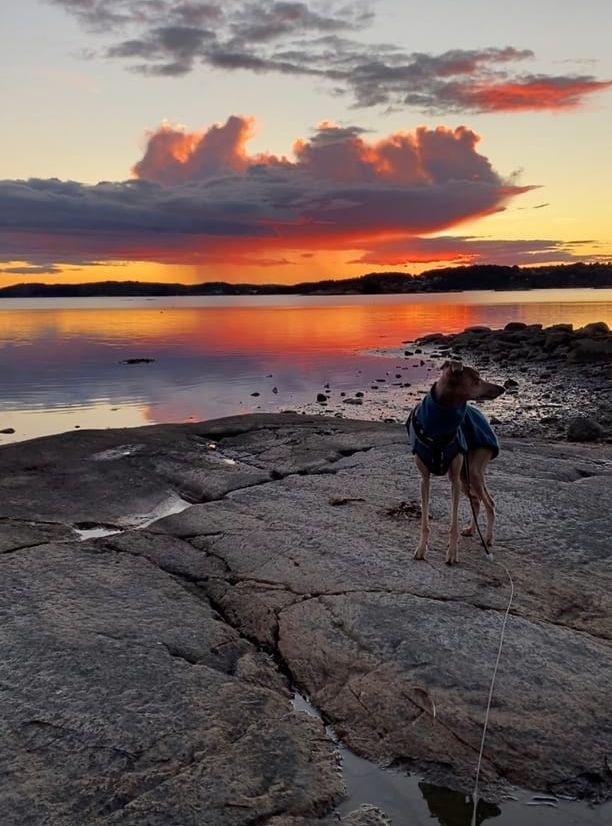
[[60, 359], [451, 808]]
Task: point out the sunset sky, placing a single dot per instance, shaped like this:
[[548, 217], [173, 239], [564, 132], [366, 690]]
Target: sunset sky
[[286, 141]]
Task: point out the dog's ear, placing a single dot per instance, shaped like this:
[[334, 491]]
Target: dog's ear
[[453, 365]]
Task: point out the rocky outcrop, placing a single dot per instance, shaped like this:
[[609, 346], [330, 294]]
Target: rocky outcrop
[[148, 673], [565, 374]]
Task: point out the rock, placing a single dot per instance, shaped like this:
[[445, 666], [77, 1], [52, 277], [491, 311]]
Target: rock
[[132, 660], [595, 328], [590, 350], [275, 390], [322, 398], [478, 329], [353, 401], [559, 328], [8, 430], [584, 429], [432, 338], [515, 325], [256, 393], [359, 394], [511, 384], [137, 361]]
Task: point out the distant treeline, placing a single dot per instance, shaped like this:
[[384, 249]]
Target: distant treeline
[[448, 279]]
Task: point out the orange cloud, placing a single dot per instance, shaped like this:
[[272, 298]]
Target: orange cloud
[[532, 93], [201, 198]]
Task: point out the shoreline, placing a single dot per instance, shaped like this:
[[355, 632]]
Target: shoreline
[[286, 534]]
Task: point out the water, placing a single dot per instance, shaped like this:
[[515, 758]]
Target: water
[[60, 359], [409, 801]]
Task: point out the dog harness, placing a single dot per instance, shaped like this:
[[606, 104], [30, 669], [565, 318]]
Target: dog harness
[[437, 434]]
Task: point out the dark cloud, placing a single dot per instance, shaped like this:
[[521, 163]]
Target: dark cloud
[[202, 197], [469, 250], [159, 37], [42, 269]]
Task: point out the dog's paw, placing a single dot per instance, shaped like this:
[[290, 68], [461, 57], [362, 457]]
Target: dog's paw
[[420, 553], [469, 531]]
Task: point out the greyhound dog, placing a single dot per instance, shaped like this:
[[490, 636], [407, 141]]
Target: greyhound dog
[[449, 436]]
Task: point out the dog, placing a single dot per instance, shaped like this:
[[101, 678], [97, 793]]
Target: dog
[[449, 436]]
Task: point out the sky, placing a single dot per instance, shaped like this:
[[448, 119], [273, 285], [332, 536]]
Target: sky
[[288, 141]]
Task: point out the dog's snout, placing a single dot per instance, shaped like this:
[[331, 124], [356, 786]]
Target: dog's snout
[[498, 390]]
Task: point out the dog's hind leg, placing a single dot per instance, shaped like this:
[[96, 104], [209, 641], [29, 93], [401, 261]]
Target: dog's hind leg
[[489, 504], [454, 474], [470, 528], [425, 489]]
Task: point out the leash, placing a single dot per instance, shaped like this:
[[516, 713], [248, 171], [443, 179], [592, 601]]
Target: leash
[[483, 739]]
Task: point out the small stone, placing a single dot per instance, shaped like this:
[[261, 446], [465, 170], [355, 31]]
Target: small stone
[[255, 393], [515, 325], [510, 383], [8, 430], [321, 398], [275, 389], [359, 394]]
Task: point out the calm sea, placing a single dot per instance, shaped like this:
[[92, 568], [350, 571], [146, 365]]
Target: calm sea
[[61, 359]]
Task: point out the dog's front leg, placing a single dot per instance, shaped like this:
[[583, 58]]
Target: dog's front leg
[[454, 474], [425, 487]]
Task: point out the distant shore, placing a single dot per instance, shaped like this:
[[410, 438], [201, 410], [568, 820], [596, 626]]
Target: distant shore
[[449, 279]]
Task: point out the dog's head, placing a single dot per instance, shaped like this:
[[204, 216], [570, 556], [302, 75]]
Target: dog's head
[[466, 384]]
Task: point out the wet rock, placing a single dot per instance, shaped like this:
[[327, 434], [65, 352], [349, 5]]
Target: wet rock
[[137, 361], [511, 384], [352, 401], [322, 398], [584, 429], [515, 325], [359, 394], [255, 393], [7, 430]]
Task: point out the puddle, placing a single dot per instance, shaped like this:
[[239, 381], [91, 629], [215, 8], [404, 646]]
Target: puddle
[[173, 504], [94, 530], [170, 506], [408, 800]]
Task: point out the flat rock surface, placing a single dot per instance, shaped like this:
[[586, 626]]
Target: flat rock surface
[[147, 673]]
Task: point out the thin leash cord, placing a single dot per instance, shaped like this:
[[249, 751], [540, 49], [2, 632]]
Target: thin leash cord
[[499, 651]]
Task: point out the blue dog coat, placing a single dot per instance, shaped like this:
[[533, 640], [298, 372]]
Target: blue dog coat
[[437, 434]]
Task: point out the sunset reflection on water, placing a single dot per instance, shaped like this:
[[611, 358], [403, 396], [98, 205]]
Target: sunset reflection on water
[[60, 359]]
